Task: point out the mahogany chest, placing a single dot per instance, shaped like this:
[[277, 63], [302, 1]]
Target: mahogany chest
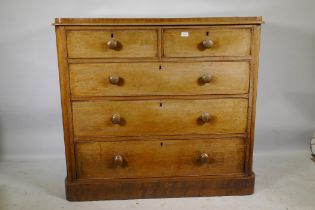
[[158, 107]]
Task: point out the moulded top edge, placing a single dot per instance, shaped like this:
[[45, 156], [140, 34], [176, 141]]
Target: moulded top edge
[[160, 21]]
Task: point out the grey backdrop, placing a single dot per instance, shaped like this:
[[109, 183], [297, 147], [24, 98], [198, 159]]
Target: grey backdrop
[[30, 113]]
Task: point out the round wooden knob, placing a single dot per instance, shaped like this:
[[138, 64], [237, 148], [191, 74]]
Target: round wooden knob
[[204, 158], [112, 44], [114, 79], [207, 43], [116, 119], [118, 160], [206, 78], [205, 117]]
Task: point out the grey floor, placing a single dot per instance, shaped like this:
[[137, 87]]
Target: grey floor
[[283, 181]]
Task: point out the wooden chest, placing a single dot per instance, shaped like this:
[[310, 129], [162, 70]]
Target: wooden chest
[[158, 107]]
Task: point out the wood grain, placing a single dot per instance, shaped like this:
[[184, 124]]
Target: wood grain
[[65, 101], [158, 97], [252, 99], [227, 42], [159, 117], [159, 138], [159, 187], [160, 158], [159, 78], [162, 59], [93, 43]]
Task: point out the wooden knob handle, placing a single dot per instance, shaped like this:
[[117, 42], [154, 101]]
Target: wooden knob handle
[[207, 43], [112, 44], [206, 78], [118, 160], [116, 119], [205, 117], [204, 158], [114, 79]]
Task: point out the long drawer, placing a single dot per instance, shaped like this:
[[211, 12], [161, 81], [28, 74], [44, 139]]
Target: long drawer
[[159, 117], [130, 79], [167, 158]]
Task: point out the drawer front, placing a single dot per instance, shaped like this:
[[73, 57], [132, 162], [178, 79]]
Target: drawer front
[[189, 42], [129, 79], [129, 43], [164, 117], [167, 158]]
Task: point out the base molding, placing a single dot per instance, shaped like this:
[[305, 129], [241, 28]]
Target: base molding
[[159, 188]]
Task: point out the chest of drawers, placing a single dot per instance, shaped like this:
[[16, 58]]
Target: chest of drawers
[[158, 107]]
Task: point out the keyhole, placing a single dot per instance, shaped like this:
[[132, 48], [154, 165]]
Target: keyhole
[[112, 35], [160, 67], [161, 104], [161, 144], [207, 33]]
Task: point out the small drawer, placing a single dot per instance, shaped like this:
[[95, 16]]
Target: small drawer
[[159, 117], [112, 43], [206, 42], [166, 158], [131, 79]]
